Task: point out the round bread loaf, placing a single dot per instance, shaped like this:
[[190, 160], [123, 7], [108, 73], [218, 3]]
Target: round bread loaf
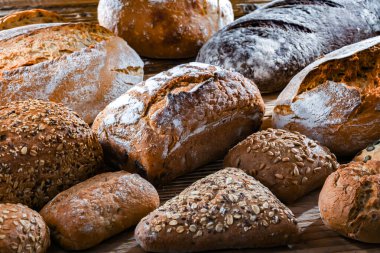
[[350, 201], [288, 163], [44, 149], [372, 152], [168, 28], [22, 230]]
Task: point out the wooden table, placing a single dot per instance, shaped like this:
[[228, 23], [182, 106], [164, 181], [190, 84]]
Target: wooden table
[[315, 236]]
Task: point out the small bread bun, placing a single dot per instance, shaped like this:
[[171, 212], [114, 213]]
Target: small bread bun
[[44, 148], [372, 152], [22, 230]]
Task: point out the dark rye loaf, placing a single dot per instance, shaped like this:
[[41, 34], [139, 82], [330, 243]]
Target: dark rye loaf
[[273, 43]]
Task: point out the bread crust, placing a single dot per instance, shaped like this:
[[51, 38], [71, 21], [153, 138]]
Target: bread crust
[[336, 99], [179, 120], [372, 152], [98, 208], [350, 199], [167, 28]]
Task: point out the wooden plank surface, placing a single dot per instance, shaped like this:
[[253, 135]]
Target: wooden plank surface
[[315, 236]]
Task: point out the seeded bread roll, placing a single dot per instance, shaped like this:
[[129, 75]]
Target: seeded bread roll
[[372, 152], [288, 163], [165, 28], [84, 66], [28, 17], [225, 210], [44, 149], [90, 212], [179, 120], [22, 230], [349, 202]]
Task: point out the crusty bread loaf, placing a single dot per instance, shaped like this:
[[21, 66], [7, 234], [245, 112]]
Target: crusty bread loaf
[[273, 43], [227, 209], [336, 100], [350, 201], [22, 230], [96, 209], [179, 120], [80, 65], [288, 163], [165, 28], [372, 152], [28, 17], [44, 149]]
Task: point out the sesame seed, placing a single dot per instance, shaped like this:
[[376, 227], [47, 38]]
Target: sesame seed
[[180, 229], [173, 223], [279, 176], [229, 219], [24, 150], [193, 228], [296, 172], [219, 227], [255, 209]]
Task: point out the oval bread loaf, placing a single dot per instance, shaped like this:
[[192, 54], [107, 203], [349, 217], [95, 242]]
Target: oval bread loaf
[[179, 120], [96, 209]]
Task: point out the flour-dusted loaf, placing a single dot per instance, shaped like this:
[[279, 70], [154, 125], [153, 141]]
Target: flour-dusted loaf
[[288, 163], [165, 28], [98, 208], [350, 201], [336, 100], [273, 43], [44, 149], [227, 209], [84, 66], [372, 152], [22, 230], [179, 120], [28, 17]]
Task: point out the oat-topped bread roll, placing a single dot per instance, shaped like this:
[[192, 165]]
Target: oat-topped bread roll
[[22, 230], [273, 43], [225, 210], [350, 201], [28, 17], [165, 28], [84, 66], [372, 152], [336, 100], [44, 149], [179, 120], [98, 208], [288, 163]]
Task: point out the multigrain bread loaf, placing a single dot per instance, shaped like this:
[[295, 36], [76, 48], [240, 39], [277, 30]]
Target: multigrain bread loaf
[[372, 152], [179, 120], [96, 209], [273, 43], [288, 163], [28, 17], [22, 230], [44, 149], [83, 66], [350, 201], [165, 28], [336, 100], [227, 209]]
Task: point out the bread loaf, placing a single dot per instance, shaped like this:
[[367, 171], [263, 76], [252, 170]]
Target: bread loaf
[[28, 17], [44, 149], [336, 100], [96, 209], [80, 65], [273, 43], [22, 230], [179, 120], [165, 28], [350, 201], [372, 152], [225, 210], [288, 163]]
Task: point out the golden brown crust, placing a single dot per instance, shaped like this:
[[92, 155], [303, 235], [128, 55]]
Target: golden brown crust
[[179, 120], [372, 152], [29, 17], [22, 230], [227, 209], [350, 201], [44, 149], [168, 29], [288, 163], [96, 209]]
